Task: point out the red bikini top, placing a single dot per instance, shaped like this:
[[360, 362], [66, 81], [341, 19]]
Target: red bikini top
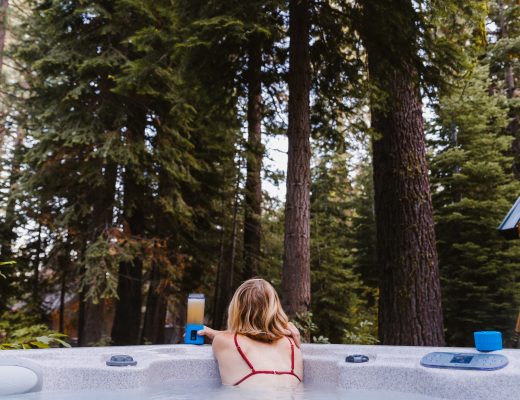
[[255, 372]]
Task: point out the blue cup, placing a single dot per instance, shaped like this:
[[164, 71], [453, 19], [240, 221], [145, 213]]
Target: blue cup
[[488, 340]]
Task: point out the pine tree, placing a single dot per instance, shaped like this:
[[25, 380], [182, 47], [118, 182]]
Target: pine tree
[[364, 235], [473, 189], [337, 303], [260, 75], [505, 64], [108, 139], [409, 304]]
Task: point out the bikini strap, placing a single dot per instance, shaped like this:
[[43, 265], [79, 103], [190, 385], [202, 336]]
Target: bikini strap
[[292, 353], [243, 355]]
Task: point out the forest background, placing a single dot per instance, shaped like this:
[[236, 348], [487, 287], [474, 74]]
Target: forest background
[[134, 166]]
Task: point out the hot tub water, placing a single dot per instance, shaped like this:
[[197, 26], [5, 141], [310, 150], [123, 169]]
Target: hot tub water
[[212, 391]]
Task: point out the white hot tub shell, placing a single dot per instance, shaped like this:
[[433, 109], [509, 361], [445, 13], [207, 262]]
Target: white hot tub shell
[[394, 368]]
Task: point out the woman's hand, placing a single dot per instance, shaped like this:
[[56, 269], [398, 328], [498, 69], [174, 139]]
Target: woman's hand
[[293, 332], [208, 333]]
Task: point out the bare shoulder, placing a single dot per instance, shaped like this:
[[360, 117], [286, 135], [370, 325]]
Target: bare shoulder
[[223, 340]]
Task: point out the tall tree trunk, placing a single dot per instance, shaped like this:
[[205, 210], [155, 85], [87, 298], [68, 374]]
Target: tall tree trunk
[[93, 325], [36, 268], [127, 319], [226, 273], [81, 318], [63, 262], [254, 153], [217, 313], [7, 231], [410, 299], [92, 322], [4, 5], [156, 307], [296, 261], [94, 316], [179, 322], [159, 280]]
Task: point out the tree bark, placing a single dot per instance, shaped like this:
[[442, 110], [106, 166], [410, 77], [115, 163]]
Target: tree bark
[[4, 5], [156, 306], [220, 288], [81, 318], [254, 153], [226, 273], [36, 270], [179, 322], [127, 320], [7, 230], [410, 299], [296, 262], [63, 263], [91, 324]]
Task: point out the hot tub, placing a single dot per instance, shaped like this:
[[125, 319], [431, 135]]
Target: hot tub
[[392, 372]]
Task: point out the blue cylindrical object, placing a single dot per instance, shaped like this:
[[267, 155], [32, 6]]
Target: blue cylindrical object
[[191, 336], [488, 340]]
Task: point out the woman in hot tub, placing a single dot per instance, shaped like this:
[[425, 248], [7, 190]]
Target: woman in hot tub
[[256, 350]]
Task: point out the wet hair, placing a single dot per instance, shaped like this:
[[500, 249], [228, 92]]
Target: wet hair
[[255, 311]]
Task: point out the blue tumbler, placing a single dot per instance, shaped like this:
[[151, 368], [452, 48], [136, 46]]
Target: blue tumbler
[[195, 319], [488, 341]]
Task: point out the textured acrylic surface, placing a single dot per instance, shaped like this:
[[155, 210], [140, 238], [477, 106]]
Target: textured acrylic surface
[[395, 369]]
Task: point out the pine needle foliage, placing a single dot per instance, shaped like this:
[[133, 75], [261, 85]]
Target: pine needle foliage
[[473, 190]]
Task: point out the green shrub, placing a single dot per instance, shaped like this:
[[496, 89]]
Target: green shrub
[[361, 334], [19, 331], [304, 322]]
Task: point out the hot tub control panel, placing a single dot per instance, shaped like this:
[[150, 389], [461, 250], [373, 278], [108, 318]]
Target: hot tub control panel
[[473, 361]]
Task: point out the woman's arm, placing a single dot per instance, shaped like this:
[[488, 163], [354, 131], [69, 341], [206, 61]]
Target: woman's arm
[[291, 331], [208, 333]]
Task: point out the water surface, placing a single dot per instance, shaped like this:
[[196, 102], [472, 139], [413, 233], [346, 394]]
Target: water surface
[[211, 391]]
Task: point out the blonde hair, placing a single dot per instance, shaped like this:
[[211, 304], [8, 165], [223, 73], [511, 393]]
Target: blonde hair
[[255, 311]]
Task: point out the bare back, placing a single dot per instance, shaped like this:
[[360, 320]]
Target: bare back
[[260, 364]]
